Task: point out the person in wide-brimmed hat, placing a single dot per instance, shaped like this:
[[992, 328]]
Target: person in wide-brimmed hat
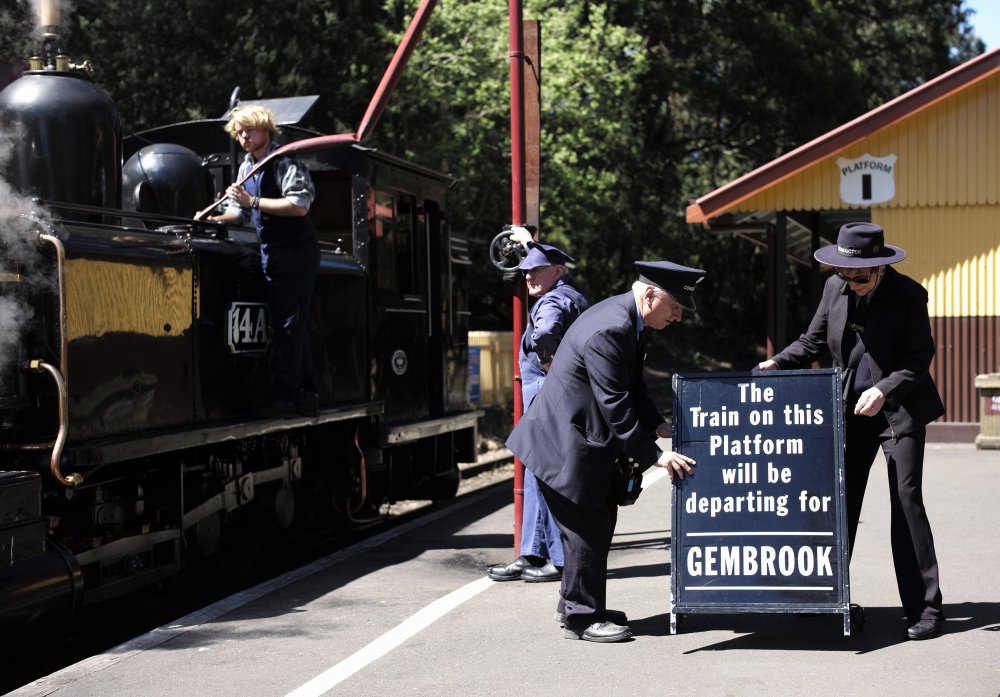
[[873, 322]]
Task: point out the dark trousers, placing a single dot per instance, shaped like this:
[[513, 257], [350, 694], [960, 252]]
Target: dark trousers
[[912, 542], [291, 276], [586, 539]]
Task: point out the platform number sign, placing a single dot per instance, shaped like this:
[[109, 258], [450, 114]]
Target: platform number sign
[[249, 327], [761, 524]]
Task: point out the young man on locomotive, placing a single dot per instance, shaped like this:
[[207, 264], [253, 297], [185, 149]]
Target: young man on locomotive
[[276, 199]]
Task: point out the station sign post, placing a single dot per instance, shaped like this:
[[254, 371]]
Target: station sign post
[[760, 527]]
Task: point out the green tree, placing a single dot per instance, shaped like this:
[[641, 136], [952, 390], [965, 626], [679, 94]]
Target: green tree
[[646, 105], [16, 26]]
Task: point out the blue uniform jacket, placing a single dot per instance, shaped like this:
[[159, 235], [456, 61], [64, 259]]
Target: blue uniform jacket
[[592, 407], [548, 320]]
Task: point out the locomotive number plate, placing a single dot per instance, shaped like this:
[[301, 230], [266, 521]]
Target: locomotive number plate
[[249, 328]]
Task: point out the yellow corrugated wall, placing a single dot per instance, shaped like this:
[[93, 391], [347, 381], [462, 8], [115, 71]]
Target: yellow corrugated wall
[[496, 366], [946, 212], [954, 252]]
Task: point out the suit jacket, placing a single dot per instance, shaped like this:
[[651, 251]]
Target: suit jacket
[[897, 338], [592, 407]]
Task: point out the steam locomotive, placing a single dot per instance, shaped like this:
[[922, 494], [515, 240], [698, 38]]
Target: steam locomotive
[[133, 347]]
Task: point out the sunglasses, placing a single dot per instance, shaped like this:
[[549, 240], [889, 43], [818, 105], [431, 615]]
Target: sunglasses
[[855, 279]]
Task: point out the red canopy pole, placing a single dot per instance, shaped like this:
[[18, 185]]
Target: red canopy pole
[[518, 205]]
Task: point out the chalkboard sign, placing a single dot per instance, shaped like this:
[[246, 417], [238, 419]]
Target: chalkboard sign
[[761, 525]]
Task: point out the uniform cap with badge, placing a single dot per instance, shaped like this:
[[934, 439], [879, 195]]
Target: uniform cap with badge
[[540, 255], [680, 281]]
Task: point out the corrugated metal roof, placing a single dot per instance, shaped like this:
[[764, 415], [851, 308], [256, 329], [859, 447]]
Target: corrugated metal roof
[[723, 199]]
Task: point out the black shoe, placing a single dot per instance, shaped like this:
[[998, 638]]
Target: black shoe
[[275, 410], [537, 574], [307, 403], [509, 572], [601, 632], [925, 629], [616, 616]]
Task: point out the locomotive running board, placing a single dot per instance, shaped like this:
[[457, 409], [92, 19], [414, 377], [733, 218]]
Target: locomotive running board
[[406, 433], [144, 445]]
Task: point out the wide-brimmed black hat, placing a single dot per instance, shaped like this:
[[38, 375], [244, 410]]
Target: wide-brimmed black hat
[[679, 281], [860, 245]]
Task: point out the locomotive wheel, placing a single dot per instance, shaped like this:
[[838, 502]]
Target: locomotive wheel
[[284, 506], [207, 534], [445, 489]]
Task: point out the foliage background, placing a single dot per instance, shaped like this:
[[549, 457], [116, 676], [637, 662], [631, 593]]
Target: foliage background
[[647, 104]]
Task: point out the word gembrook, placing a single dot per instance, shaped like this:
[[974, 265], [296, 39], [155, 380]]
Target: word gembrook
[[765, 560]]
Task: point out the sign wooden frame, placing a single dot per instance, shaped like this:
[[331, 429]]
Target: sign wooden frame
[[761, 526]]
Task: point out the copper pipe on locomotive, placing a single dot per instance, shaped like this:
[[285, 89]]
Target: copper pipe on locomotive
[[59, 376], [73, 479]]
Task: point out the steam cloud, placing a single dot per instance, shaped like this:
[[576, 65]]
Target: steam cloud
[[20, 256]]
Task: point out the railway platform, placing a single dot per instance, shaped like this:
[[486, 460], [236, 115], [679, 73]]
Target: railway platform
[[411, 612]]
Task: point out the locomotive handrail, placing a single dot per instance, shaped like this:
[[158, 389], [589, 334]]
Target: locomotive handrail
[[216, 228], [59, 375], [74, 479], [61, 280]]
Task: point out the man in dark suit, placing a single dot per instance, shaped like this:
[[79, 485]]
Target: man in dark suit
[[592, 410], [873, 321]]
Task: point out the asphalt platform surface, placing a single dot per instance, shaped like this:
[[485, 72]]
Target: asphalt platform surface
[[410, 612]]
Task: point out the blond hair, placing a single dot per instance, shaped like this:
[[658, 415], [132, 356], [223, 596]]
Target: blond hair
[[252, 116]]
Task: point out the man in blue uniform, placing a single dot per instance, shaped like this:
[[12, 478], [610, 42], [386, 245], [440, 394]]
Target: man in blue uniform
[[558, 302], [592, 410], [277, 199]]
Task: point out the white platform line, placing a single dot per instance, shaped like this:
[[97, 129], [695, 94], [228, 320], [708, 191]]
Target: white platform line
[[161, 635], [327, 680]]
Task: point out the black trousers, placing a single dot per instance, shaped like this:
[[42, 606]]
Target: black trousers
[[913, 552], [586, 538], [291, 276]]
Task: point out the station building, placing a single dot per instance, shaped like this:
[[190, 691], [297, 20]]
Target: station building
[[926, 167]]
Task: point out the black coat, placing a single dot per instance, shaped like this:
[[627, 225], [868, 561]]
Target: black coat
[[592, 406], [897, 337]]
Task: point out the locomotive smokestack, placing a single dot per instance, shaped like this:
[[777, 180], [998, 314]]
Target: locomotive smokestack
[[47, 13]]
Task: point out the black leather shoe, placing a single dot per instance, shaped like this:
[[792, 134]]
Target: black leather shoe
[[509, 572], [616, 616], [601, 632], [537, 574], [925, 629]]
